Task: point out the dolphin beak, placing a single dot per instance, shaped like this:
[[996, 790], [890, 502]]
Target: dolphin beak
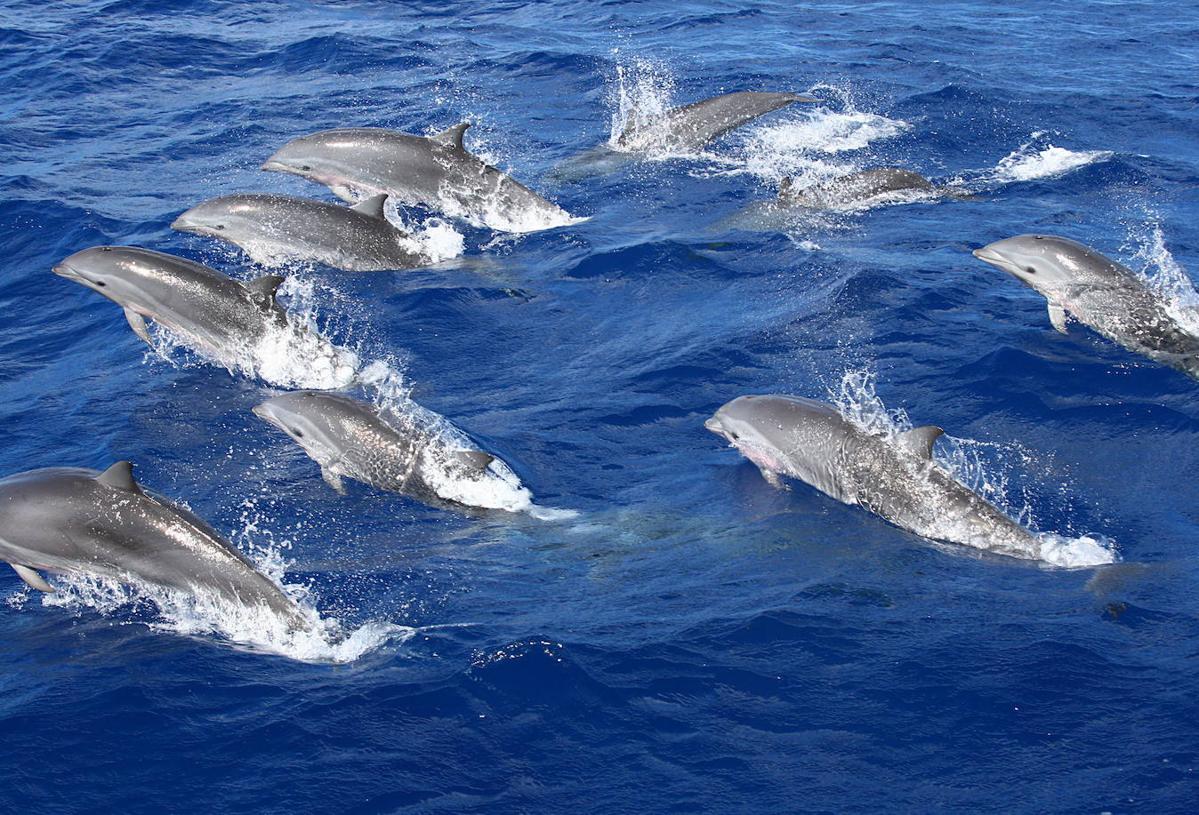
[[811, 99], [260, 412], [713, 424], [63, 270], [181, 224], [273, 166], [988, 255]]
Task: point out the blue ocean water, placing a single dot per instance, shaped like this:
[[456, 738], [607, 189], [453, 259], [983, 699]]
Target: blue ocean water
[[693, 640]]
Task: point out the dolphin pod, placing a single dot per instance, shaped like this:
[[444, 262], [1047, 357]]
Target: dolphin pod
[[411, 455], [65, 519], [274, 229], [1078, 282], [432, 171]]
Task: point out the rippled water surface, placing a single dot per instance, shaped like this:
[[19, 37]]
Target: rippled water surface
[[676, 635]]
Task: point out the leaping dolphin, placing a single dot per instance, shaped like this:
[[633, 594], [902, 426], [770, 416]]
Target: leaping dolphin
[[274, 229], [64, 519], [857, 188], [433, 171], [689, 127], [895, 479], [214, 313], [418, 454], [1098, 292]]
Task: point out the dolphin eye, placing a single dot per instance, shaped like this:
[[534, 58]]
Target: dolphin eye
[[305, 167], [99, 283], [220, 226], [1030, 270], [734, 435], [297, 433]]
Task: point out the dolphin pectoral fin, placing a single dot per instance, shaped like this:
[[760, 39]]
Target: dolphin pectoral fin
[[452, 136], [1057, 317], [772, 478], [119, 477], [32, 578], [372, 206], [138, 324], [919, 440], [333, 480]]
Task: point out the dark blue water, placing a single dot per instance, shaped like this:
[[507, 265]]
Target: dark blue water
[[694, 640]]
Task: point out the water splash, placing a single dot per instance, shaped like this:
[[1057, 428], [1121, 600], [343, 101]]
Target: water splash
[[983, 467], [640, 95], [1038, 158], [1162, 272]]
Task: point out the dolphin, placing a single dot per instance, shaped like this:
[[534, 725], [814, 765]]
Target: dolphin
[[66, 519], [896, 479], [856, 188], [214, 313], [432, 171], [1098, 292], [274, 229], [689, 127], [418, 454]]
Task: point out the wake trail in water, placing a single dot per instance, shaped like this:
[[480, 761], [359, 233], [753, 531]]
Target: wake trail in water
[[982, 467]]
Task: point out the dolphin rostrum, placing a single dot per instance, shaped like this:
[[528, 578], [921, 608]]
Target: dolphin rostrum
[[856, 188], [418, 453], [215, 313], [274, 229], [690, 127], [1098, 292], [896, 479], [65, 519], [432, 171]]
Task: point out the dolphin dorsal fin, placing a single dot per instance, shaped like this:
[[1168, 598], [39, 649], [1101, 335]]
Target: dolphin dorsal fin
[[263, 289], [452, 136], [785, 186], [372, 206], [119, 477], [919, 440], [472, 459]]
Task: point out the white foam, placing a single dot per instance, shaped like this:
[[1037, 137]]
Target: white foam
[[1039, 158], [855, 396]]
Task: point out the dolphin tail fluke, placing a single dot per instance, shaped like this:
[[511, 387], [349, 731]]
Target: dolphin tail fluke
[[32, 578]]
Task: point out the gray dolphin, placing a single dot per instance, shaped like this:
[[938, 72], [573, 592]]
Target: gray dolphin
[[274, 229], [433, 171], [215, 313], [690, 127], [65, 519], [895, 479], [415, 454], [1098, 292], [858, 187]]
